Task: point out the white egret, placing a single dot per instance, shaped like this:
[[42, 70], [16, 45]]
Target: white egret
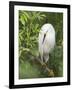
[[46, 41]]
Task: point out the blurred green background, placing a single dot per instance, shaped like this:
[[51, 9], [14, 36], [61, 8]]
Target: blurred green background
[[30, 23]]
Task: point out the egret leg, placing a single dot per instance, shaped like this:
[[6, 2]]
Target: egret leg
[[50, 71]]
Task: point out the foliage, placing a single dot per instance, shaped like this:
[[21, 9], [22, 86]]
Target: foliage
[[30, 23]]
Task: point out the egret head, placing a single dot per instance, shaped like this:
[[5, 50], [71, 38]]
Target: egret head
[[47, 28]]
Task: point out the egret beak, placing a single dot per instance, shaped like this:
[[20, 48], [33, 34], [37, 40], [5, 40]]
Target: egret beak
[[44, 37]]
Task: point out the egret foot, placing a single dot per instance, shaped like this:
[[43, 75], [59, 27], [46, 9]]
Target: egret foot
[[42, 63], [51, 73]]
